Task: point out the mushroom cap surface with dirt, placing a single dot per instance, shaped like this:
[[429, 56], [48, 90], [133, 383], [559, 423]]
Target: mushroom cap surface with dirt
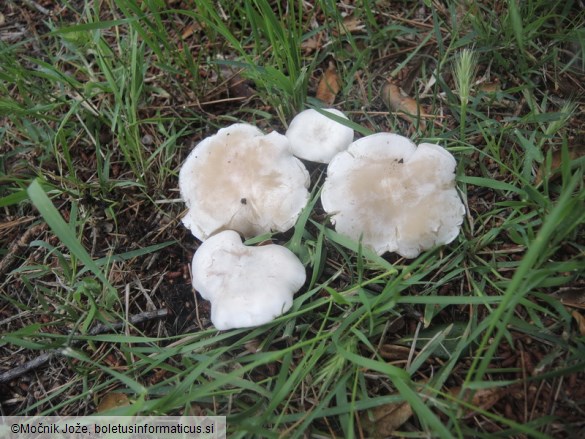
[[316, 137], [247, 286], [393, 195], [241, 179]]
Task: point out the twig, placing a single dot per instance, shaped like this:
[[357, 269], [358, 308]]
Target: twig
[[19, 246], [34, 5], [28, 366], [133, 320], [97, 329]]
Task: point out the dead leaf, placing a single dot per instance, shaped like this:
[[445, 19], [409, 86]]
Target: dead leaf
[[253, 346], [195, 410], [352, 25], [405, 106], [556, 163], [309, 45], [383, 420], [491, 95], [329, 85], [490, 88], [112, 400], [394, 352], [580, 321], [571, 296], [239, 87], [159, 375], [483, 398], [190, 30]]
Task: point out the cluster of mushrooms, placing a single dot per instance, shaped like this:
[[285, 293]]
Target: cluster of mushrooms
[[381, 190]]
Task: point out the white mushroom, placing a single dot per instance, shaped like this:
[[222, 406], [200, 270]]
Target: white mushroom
[[393, 195], [240, 179], [247, 286], [314, 136]]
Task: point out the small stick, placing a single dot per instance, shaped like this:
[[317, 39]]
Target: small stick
[[97, 329], [20, 246], [133, 320], [26, 367], [34, 5]]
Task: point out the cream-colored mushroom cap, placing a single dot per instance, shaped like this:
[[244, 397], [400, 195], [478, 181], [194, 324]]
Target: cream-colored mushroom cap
[[314, 136], [393, 195], [241, 179], [247, 286]]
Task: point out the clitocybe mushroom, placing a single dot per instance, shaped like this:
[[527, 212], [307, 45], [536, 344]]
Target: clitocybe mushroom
[[241, 179], [247, 286], [394, 196], [314, 136]]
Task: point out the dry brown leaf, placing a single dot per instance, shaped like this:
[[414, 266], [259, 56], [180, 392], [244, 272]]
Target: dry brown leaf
[[190, 30], [329, 85], [352, 25], [239, 87], [383, 420], [195, 410], [394, 352], [557, 161], [310, 44], [482, 398], [571, 296], [253, 346], [490, 87], [112, 400], [405, 106], [580, 321]]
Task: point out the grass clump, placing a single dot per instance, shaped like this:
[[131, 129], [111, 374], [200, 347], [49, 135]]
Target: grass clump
[[100, 102]]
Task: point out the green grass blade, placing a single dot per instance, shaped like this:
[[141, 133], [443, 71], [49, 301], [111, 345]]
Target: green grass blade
[[402, 382], [63, 231], [515, 290]]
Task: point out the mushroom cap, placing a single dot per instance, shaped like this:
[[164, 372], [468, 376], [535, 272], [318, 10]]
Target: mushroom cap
[[393, 195], [247, 286], [241, 179], [316, 137]]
